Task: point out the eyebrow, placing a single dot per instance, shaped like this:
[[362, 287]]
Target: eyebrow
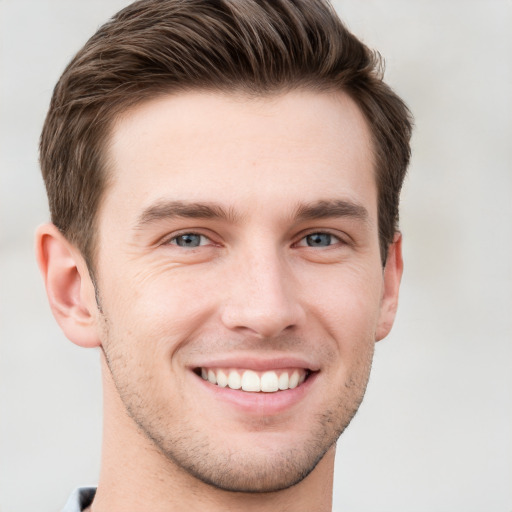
[[323, 209], [330, 209], [185, 210]]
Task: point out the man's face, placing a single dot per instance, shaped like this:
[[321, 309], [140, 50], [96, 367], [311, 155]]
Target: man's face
[[238, 246]]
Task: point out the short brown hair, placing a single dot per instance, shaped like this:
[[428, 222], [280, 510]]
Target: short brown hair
[[156, 47]]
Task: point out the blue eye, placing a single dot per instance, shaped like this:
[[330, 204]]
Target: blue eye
[[189, 240], [318, 240]]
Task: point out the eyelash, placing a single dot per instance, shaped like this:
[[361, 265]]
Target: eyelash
[[173, 240], [302, 242], [333, 239]]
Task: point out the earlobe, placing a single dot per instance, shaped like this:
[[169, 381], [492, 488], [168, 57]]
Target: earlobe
[[68, 286], [392, 277]]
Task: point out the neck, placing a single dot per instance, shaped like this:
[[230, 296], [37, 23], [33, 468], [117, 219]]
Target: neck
[[135, 475]]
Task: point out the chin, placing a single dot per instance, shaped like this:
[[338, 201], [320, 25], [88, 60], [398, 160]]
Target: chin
[[256, 462], [250, 473]]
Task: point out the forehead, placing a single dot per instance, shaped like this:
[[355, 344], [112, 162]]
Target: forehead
[[203, 146]]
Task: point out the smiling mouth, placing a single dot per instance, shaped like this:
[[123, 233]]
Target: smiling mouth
[[271, 381]]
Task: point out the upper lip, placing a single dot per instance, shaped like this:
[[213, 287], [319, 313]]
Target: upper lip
[[257, 363]]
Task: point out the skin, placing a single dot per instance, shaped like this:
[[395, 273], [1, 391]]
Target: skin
[[266, 172]]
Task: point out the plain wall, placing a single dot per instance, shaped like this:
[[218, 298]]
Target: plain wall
[[434, 433]]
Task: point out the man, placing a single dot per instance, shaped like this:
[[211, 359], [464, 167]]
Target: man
[[223, 179]]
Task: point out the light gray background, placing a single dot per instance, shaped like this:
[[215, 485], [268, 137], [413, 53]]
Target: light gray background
[[434, 433]]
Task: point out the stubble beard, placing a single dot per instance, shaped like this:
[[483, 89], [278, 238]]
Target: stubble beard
[[197, 452]]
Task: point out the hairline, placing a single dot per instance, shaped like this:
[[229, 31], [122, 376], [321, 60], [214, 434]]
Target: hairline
[[122, 109]]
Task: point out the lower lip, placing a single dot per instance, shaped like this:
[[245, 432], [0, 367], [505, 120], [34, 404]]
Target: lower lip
[[262, 404]]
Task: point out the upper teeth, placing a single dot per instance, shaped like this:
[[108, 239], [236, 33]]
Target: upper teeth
[[249, 380]]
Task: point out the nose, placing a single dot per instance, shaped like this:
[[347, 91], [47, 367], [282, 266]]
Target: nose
[[262, 296]]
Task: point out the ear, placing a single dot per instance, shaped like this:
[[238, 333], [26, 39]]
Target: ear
[[68, 285], [392, 276]]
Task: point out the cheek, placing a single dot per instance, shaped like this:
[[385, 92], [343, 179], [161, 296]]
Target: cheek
[[159, 307], [348, 302]]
